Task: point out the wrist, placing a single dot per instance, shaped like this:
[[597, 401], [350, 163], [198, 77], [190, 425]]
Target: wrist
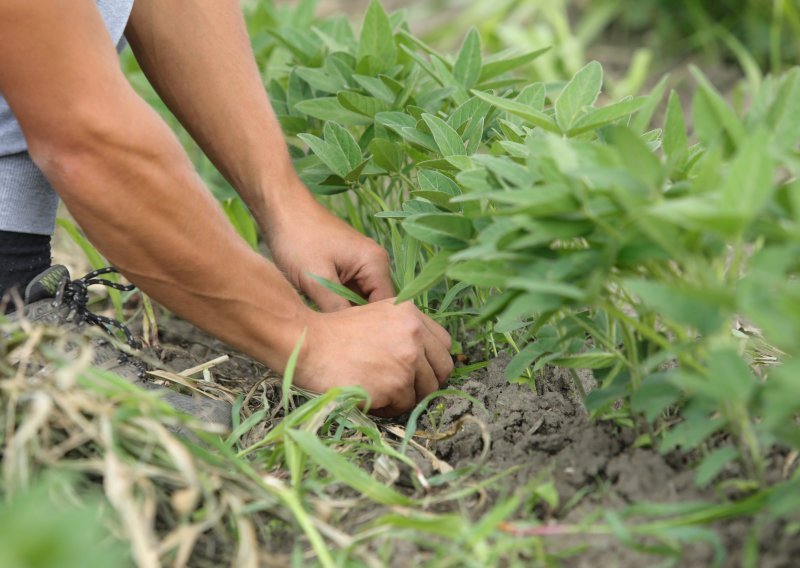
[[286, 206], [280, 199], [303, 324]]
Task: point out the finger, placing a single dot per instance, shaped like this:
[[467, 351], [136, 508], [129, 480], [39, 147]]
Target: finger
[[426, 381], [374, 280], [403, 401], [382, 289], [326, 300], [438, 331], [438, 357]]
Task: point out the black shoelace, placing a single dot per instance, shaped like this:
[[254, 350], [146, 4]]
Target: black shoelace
[[75, 295]]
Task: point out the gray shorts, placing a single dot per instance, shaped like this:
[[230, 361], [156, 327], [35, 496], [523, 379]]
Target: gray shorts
[[28, 203]]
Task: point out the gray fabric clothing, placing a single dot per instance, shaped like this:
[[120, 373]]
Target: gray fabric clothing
[[27, 202]]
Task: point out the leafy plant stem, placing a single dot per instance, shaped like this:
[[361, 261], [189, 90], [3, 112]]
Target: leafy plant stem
[[655, 337]]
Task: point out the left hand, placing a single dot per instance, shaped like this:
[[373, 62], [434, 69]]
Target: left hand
[[306, 238]]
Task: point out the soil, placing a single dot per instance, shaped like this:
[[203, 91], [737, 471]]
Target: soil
[[594, 466], [533, 437]]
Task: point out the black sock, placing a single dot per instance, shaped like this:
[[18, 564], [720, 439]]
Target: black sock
[[22, 257]]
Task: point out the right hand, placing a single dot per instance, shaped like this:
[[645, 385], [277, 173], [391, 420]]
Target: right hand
[[395, 352]]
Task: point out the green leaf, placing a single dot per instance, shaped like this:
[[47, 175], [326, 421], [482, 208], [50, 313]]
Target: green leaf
[[288, 374], [387, 155], [501, 63], [330, 155], [304, 45], [600, 398], [446, 230], [713, 464], [749, 184], [431, 180], [731, 374], [395, 120], [533, 95], [487, 274], [533, 116], [377, 40], [523, 360], [701, 214], [320, 80], [471, 110], [581, 92], [447, 140], [675, 142], [606, 115], [430, 275], [329, 108], [589, 360], [376, 87], [690, 433], [637, 158], [540, 201], [341, 138], [641, 123], [339, 290], [474, 135], [443, 525], [655, 395], [344, 471], [423, 139], [242, 221], [361, 104], [438, 198], [711, 108], [699, 308], [467, 69]]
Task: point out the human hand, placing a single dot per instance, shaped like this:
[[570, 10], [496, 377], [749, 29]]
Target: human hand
[[395, 352], [308, 239]]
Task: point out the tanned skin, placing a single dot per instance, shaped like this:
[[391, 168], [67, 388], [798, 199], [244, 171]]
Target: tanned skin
[[126, 180]]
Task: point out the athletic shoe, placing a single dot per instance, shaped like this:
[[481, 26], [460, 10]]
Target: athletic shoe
[[54, 299]]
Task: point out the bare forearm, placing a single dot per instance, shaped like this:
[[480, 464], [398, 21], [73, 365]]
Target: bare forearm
[[137, 197], [198, 56]]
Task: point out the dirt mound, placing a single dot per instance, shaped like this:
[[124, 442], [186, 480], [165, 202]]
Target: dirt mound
[[535, 438], [594, 466]]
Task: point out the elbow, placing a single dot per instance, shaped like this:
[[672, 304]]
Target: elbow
[[65, 152]]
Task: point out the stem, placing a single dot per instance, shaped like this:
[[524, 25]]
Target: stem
[[653, 336]]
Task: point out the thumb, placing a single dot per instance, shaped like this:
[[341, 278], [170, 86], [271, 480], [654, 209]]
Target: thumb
[[327, 300], [375, 282]]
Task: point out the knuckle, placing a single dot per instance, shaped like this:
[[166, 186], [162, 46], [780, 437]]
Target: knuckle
[[415, 328], [408, 308], [379, 254], [407, 353]]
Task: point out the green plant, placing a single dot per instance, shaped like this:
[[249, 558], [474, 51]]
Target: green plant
[[567, 224], [551, 222]]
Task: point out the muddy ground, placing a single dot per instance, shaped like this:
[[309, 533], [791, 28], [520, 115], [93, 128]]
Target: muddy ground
[[534, 438]]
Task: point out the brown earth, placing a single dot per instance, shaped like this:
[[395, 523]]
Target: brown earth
[[594, 465]]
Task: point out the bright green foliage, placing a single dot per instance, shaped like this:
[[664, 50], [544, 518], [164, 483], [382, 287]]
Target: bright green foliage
[[565, 220], [40, 528], [579, 233]]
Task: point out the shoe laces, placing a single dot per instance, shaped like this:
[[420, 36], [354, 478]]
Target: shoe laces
[[75, 295]]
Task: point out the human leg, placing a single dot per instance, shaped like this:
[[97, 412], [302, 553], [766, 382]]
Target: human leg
[[22, 257]]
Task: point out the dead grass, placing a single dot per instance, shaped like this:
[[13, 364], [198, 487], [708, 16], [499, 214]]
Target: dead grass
[[268, 492]]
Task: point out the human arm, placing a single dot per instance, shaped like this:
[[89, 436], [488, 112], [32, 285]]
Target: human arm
[[129, 185], [198, 57]]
